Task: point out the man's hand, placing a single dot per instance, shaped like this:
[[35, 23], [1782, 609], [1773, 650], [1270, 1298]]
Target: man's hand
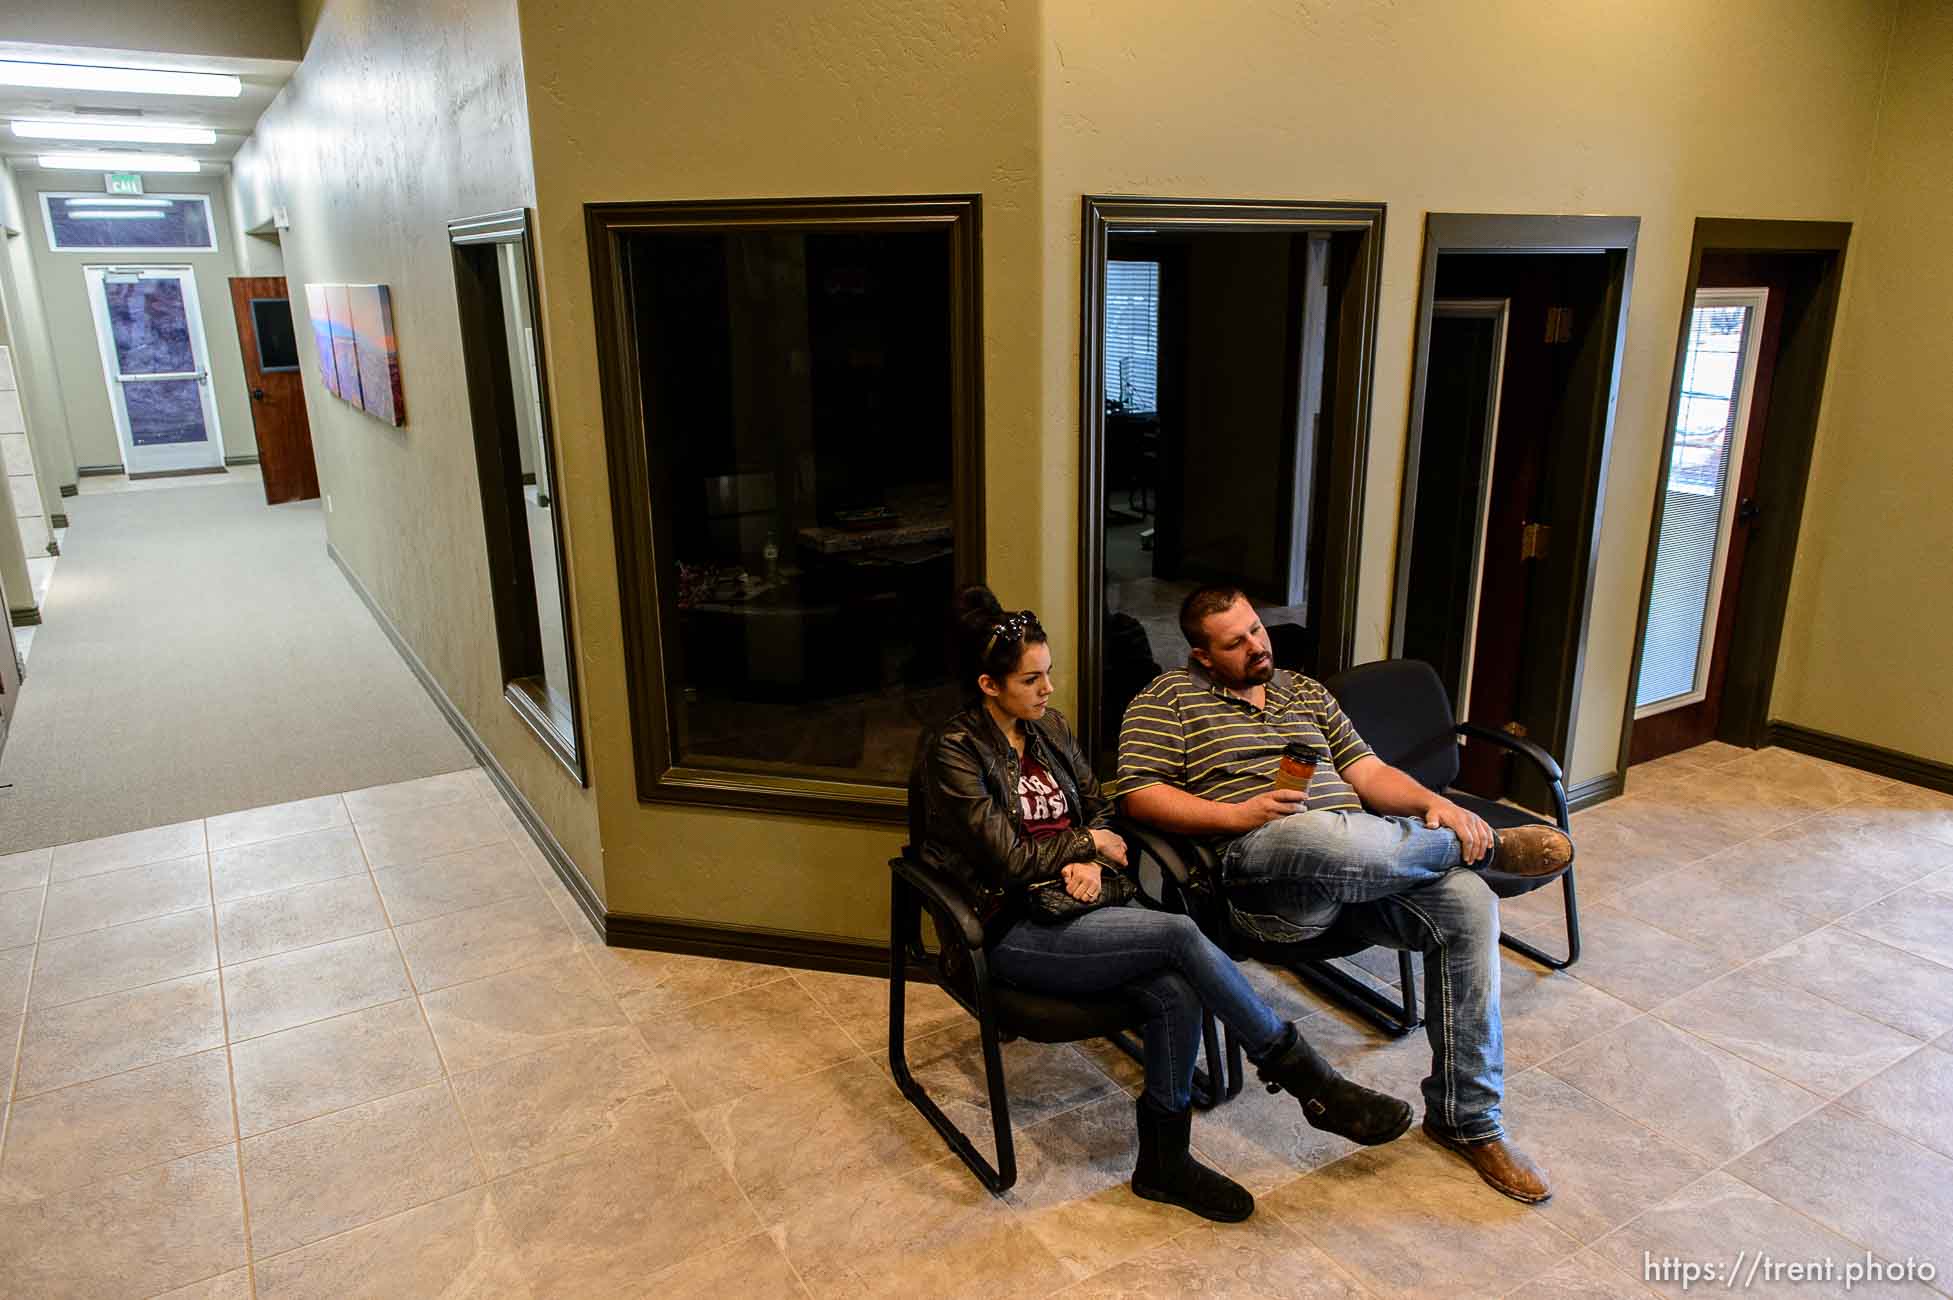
[[1082, 880], [1272, 806], [1109, 846], [1474, 836]]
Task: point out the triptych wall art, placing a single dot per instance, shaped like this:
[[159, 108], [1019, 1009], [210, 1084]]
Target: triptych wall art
[[353, 327]]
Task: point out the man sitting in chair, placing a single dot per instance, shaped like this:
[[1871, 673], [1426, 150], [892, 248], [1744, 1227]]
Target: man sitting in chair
[[1364, 848]]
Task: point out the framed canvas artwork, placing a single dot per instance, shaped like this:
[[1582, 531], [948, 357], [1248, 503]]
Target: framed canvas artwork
[[380, 393], [345, 355], [315, 307]]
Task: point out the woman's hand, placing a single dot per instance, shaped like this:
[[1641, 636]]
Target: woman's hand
[[1082, 878], [1109, 846]]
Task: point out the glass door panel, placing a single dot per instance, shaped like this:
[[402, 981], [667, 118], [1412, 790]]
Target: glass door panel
[[157, 366]]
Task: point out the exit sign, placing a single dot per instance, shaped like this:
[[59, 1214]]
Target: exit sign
[[123, 182]]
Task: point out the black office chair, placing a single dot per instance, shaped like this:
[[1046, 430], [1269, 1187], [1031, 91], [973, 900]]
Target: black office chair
[[961, 966]]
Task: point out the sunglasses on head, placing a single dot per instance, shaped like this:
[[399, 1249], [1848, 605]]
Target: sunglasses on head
[[1011, 629]]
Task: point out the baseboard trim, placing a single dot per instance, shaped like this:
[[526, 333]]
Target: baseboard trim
[[748, 944], [29, 617], [57, 520], [98, 471], [70, 489], [177, 473], [551, 848], [1866, 757], [1599, 790], [241, 460]]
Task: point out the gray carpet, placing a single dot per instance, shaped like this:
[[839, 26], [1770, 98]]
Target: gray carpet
[[201, 654]]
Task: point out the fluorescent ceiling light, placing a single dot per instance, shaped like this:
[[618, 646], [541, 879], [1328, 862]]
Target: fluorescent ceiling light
[[134, 132], [118, 203], [111, 214], [131, 81], [119, 162]]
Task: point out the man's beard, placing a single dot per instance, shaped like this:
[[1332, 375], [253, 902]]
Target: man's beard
[[1254, 675]]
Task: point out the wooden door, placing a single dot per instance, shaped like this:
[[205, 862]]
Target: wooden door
[[267, 336]]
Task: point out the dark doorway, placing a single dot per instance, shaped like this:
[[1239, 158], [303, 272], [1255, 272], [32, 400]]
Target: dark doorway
[[1755, 339], [1520, 329], [266, 334], [1225, 365]]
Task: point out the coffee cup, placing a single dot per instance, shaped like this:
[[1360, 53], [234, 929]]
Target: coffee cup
[[1297, 768]]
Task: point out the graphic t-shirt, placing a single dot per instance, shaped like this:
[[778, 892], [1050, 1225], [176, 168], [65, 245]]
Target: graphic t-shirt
[[1042, 800]]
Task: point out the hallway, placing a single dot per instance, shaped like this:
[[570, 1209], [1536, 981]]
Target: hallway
[[193, 632]]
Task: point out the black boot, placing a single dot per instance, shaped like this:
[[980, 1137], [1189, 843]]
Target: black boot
[[1329, 1101], [1168, 1172]]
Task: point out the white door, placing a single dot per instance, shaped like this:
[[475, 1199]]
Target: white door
[[150, 329]]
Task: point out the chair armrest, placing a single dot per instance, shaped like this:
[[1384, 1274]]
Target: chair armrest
[[1518, 745], [1180, 860], [947, 900]]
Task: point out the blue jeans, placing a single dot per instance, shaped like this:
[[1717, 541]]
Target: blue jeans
[[1392, 881], [1163, 961]]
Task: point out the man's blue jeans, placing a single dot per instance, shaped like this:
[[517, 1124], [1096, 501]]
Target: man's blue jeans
[[1396, 882], [1160, 958]]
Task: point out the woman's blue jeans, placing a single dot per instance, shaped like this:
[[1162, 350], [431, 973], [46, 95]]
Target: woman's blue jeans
[[1165, 962]]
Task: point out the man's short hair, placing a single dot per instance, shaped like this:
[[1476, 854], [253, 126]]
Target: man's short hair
[[1201, 603]]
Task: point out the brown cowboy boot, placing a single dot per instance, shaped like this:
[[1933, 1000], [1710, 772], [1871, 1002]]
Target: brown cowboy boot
[[1502, 1165], [1530, 851]]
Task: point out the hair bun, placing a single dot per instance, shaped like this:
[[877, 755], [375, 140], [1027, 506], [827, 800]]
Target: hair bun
[[976, 603]]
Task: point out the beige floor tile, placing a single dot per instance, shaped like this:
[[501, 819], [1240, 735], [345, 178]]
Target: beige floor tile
[[353, 1166], [20, 916], [452, 1247], [1630, 841], [133, 849], [743, 1042], [1639, 963], [1910, 808], [234, 1285], [1861, 1180], [133, 894], [860, 1004], [409, 837], [24, 870], [131, 1236], [1917, 919], [275, 821], [1586, 1276], [284, 863], [1605, 1168], [1888, 984], [1700, 905], [1914, 1097], [651, 983], [101, 1036], [1735, 804], [455, 882], [1710, 1222], [751, 1267], [1813, 1043], [545, 1005], [1261, 1140], [1041, 1079], [124, 957], [1808, 780], [9, 1041], [933, 1232], [1545, 1013], [601, 1221], [1836, 862], [551, 1103], [1691, 1092], [797, 1143], [379, 801], [95, 1131], [329, 979], [266, 924], [484, 941], [1262, 1259], [299, 1074], [1411, 1217], [16, 972]]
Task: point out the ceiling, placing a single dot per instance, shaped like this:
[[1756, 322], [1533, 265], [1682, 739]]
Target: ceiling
[[231, 119]]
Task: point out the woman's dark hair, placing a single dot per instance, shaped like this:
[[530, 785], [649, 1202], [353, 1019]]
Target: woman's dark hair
[[987, 640]]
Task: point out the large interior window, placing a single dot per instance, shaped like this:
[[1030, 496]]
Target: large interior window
[[105, 223], [801, 405]]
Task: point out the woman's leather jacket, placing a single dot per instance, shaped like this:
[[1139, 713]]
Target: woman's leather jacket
[[972, 826]]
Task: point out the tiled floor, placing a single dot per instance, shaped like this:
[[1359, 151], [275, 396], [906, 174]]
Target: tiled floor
[[366, 1045]]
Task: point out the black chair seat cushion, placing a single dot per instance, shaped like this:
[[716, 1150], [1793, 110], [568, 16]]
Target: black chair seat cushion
[[1046, 1019], [1503, 816]]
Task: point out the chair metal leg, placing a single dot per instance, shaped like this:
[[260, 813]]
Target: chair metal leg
[[1527, 950], [1394, 1018], [1211, 1086], [1407, 985]]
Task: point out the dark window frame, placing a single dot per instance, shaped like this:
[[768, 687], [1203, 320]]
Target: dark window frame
[[644, 603], [491, 402]]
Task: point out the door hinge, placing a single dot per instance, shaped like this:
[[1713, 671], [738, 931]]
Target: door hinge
[[1534, 540], [1559, 324]]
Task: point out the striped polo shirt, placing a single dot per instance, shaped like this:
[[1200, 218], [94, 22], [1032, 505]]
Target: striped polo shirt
[[1188, 731]]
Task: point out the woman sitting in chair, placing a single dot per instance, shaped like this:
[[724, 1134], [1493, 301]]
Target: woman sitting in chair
[[1014, 810]]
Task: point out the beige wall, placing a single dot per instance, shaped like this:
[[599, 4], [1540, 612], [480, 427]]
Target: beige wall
[[1871, 605], [259, 29], [248, 187], [40, 380], [404, 115], [71, 321]]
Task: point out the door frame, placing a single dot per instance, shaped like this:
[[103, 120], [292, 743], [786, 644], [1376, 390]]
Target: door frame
[[94, 276], [1783, 475], [1490, 233], [1353, 336]]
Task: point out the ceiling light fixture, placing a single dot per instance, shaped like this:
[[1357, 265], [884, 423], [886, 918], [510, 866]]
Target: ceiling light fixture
[[113, 214], [119, 162], [128, 81], [118, 203], [132, 132]]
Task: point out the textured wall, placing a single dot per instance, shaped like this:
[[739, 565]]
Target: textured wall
[[1872, 601], [260, 29], [1666, 110], [35, 370], [783, 97], [404, 115]]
